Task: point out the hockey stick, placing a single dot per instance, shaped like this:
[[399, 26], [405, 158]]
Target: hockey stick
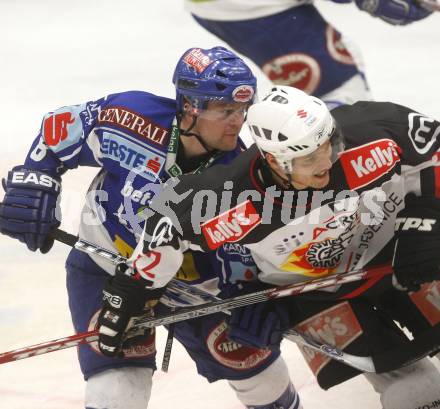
[[361, 363], [168, 346], [425, 344], [383, 362], [199, 310]]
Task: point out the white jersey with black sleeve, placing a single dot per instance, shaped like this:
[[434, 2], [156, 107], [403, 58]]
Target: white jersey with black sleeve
[[295, 236]]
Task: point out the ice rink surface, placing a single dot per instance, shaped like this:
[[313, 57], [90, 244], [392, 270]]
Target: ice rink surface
[[55, 53]]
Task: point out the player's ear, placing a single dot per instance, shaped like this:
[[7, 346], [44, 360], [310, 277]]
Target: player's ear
[[272, 162], [187, 107]]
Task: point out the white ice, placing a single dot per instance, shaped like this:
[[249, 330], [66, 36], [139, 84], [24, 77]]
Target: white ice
[[55, 53]]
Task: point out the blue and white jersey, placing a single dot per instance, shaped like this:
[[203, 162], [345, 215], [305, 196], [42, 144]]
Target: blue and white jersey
[[130, 136]]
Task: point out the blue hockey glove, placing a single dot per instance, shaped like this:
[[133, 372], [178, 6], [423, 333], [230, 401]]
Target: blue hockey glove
[[259, 325], [395, 12], [124, 297], [30, 207], [416, 255]]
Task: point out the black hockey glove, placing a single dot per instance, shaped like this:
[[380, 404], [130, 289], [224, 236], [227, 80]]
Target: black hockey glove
[[417, 251], [30, 209], [124, 297]]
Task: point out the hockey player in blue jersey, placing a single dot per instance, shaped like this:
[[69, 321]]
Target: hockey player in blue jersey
[[138, 140], [294, 45]]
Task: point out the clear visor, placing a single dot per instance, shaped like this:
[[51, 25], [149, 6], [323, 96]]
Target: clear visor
[[319, 162], [222, 111]]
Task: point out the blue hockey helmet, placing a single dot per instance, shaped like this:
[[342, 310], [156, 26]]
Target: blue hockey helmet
[[215, 74]]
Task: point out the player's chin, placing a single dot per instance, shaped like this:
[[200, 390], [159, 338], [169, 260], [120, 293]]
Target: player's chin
[[321, 180], [228, 142]]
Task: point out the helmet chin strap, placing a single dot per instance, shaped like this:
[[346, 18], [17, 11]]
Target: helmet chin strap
[[187, 132], [286, 182], [288, 185], [288, 172]]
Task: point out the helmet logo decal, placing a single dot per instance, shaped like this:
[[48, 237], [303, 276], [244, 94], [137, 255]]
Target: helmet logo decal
[[243, 93], [301, 113], [311, 120], [298, 128], [319, 134], [197, 59]]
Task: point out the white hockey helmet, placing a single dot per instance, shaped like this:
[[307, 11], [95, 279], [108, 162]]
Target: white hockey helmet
[[289, 124]]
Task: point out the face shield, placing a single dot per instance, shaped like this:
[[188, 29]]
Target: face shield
[[222, 111], [322, 159]]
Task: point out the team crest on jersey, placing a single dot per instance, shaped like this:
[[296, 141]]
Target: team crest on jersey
[[367, 163], [321, 258], [232, 354], [316, 259], [297, 70], [231, 226], [336, 47]]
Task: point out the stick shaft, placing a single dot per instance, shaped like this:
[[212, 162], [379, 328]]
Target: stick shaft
[[199, 311]]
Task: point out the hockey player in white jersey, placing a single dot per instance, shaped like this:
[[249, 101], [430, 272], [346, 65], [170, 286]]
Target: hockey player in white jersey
[[294, 45], [318, 194]]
